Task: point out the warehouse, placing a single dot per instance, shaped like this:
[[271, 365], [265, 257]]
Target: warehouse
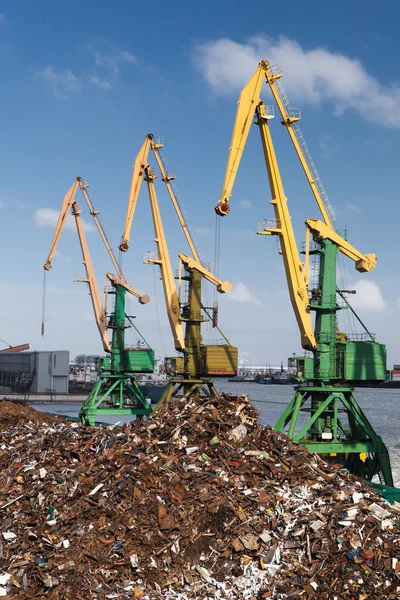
[[34, 372]]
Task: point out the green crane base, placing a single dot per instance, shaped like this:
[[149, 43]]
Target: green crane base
[[114, 394], [187, 387], [356, 445]]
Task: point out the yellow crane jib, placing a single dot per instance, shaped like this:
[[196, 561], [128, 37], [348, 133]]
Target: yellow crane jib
[[222, 286], [248, 100], [139, 169], [68, 205], [297, 276], [137, 177], [163, 260], [69, 199], [363, 262], [98, 309], [143, 299]]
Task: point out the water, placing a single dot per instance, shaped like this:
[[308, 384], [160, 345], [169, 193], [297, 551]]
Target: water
[[382, 408]]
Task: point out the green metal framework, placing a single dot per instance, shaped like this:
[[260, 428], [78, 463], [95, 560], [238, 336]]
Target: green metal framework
[[116, 391], [355, 443]]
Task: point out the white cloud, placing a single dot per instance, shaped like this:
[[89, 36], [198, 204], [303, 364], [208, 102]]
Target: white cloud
[[3, 19], [368, 296], [314, 75], [104, 84], [2, 203], [111, 58], [353, 207], [241, 293], [325, 145], [47, 217], [127, 57], [245, 204], [60, 81]]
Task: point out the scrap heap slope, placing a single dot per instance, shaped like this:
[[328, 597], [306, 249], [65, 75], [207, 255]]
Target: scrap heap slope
[[200, 501]]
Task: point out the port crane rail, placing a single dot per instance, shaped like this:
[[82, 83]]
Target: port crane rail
[[325, 392], [115, 391], [199, 360]]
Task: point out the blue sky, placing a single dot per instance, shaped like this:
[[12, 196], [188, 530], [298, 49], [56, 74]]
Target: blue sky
[[82, 83]]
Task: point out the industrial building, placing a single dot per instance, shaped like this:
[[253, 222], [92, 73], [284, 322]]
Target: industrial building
[[44, 372], [395, 374]]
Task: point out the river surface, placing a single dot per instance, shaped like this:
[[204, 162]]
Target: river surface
[[382, 408]]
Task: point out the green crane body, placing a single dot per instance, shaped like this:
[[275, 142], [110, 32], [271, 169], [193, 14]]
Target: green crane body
[[328, 401], [199, 360], [116, 391]]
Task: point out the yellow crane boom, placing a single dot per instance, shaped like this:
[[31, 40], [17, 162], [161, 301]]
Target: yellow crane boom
[[143, 171], [139, 166], [282, 227], [290, 118], [123, 283], [66, 206], [167, 180], [136, 183], [162, 259], [69, 199], [248, 101], [69, 202], [296, 272], [99, 312]]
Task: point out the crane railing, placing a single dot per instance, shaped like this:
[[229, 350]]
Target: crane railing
[[151, 257], [269, 225]]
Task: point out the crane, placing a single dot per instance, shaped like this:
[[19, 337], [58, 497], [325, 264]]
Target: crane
[[19, 348], [115, 391], [200, 360], [337, 360]]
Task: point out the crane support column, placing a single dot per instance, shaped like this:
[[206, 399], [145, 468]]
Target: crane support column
[[337, 426], [191, 380]]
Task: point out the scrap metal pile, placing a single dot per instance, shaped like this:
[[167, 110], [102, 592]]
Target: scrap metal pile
[[200, 501]]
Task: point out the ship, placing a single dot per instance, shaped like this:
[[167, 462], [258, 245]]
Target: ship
[[152, 388], [242, 378], [282, 379], [153, 385], [265, 380]]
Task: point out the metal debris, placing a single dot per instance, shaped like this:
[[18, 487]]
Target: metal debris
[[200, 502]]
